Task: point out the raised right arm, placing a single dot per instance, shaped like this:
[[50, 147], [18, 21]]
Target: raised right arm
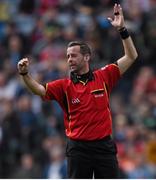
[[30, 83]]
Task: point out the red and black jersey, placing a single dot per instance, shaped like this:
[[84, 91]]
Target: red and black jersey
[[86, 108]]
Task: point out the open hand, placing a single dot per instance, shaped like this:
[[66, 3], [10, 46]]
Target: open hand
[[118, 20]]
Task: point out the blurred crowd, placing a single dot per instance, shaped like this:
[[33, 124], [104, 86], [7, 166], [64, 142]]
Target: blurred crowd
[[32, 139]]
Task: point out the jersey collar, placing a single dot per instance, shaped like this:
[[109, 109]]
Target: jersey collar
[[84, 77]]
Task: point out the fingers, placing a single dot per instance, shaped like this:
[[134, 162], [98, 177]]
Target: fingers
[[117, 10], [23, 62], [23, 65]]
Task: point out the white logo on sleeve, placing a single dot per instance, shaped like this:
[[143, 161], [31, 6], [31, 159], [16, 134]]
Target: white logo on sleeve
[[75, 101]]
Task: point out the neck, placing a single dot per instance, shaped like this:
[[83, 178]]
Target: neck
[[84, 70]]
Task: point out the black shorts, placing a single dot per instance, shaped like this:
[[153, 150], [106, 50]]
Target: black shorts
[[92, 159]]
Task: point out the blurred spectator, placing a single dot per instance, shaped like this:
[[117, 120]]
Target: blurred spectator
[[56, 168], [10, 137], [7, 86], [27, 169]]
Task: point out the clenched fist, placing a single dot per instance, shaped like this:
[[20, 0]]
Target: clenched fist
[[22, 66]]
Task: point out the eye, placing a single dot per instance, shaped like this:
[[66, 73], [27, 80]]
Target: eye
[[68, 56]]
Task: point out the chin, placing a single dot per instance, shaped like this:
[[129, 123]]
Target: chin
[[73, 70]]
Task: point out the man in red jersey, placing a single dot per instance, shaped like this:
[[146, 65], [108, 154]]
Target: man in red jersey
[[84, 98]]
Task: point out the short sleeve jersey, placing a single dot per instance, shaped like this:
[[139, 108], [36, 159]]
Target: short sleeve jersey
[[86, 107]]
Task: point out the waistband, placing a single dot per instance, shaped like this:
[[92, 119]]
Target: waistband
[[106, 138]]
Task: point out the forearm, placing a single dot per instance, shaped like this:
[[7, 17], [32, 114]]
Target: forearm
[[129, 49], [130, 54], [33, 85]]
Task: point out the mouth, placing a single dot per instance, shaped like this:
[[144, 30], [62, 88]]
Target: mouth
[[72, 67]]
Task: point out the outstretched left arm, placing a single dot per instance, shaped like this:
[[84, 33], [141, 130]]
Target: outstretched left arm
[[129, 49]]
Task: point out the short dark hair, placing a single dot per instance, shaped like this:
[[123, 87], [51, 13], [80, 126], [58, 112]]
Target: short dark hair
[[84, 47]]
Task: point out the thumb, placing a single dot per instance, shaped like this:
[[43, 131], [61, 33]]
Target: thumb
[[110, 19]]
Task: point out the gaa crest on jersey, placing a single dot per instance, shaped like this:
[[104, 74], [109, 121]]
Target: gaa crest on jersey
[[75, 101]]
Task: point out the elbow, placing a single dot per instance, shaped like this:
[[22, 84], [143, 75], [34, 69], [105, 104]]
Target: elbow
[[133, 56]]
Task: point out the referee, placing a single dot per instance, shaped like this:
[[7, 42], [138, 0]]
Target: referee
[[84, 98]]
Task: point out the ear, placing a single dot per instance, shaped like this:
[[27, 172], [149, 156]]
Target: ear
[[87, 57]]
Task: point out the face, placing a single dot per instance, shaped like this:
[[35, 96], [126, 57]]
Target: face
[[77, 62]]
